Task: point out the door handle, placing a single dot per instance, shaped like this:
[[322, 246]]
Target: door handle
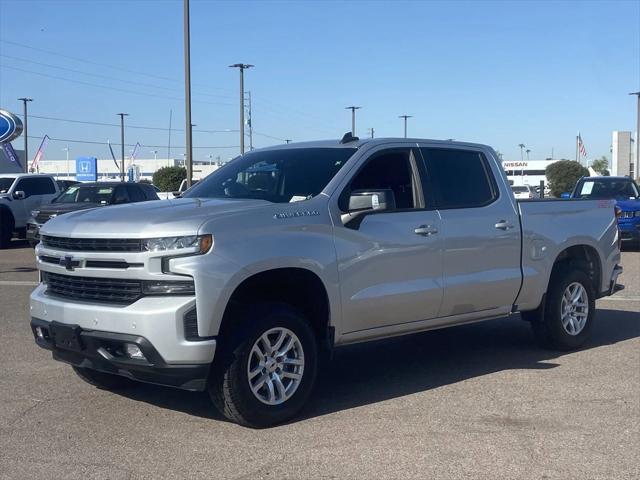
[[426, 230], [503, 225]]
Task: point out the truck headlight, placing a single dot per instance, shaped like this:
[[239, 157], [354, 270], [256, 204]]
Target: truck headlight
[[34, 213], [199, 244]]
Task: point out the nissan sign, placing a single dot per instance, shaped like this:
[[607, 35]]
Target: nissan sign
[[10, 126]]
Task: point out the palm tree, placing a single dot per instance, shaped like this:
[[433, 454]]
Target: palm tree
[[528, 154], [522, 145]]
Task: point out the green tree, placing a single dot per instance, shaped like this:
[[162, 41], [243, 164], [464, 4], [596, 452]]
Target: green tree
[[168, 179], [601, 165], [563, 176]]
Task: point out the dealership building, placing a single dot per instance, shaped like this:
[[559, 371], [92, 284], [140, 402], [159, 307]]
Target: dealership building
[[623, 149], [526, 172]]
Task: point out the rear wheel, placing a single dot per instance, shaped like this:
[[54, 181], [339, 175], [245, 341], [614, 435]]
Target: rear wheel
[[268, 370], [102, 380], [567, 317]]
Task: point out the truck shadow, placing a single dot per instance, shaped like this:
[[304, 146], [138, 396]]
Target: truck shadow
[[373, 372]]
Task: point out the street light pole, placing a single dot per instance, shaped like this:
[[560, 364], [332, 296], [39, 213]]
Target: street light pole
[[637, 160], [371, 131], [24, 100], [155, 154], [187, 93], [353, 118], [66, 149], [405, 123], [241, 67], [122, 115]]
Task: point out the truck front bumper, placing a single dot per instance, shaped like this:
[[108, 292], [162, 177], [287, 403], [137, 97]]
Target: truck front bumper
[[155, 324], [106, 352]]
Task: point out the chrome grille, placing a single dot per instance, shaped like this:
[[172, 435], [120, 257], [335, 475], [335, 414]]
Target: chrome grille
[[92, 244], [105, 290]]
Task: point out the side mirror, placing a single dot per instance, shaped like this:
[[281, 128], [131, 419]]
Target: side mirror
[[19, 195], [177, 194], [365, 200]]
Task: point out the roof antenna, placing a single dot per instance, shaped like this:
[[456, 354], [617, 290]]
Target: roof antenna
[[348, 138]]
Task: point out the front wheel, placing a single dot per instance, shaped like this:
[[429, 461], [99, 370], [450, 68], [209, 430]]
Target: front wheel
[[268, 370], [568, 311]]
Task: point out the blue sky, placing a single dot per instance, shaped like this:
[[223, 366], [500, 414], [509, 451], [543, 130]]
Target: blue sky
[[501, 73]]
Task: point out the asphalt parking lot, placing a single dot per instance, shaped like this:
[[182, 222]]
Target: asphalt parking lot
[[478, 401]]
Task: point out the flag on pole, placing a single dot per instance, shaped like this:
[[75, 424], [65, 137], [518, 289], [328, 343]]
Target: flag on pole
[[39, 153], [113, 155], [134, 154], [581, 149]]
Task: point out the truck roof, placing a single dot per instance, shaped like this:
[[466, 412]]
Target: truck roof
[[368, 141], [18, 175]]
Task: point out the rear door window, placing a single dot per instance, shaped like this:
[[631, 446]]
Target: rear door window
[[135, 193], [460, 178]]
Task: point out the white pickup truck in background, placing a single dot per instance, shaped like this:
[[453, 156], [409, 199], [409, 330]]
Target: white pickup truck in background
[[20, 193]]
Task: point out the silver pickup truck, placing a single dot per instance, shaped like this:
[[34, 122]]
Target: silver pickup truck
[[288, 252]]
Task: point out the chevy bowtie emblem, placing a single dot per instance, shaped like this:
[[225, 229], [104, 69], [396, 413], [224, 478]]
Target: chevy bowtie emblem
[[69, 263]]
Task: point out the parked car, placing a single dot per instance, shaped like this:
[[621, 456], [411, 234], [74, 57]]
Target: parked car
[[64, 184], [285, 253], [181, 189], [84, 196], [627, 196], [522, 192], [19, 194]]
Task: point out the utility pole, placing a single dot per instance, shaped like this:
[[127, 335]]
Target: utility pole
[[353, 118], [242, 67], [122, 115], [637, 160], [66, 149], [187, 93], [249, 120], [371, 131], [405, 123], [24, 100]]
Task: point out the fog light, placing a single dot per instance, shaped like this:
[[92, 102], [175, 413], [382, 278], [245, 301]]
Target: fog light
[[133, 351], [39, 333]]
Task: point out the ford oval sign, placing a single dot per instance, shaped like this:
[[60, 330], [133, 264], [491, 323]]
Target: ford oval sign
[[10, 126]]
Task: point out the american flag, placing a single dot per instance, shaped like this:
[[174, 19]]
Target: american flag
[[583, 151]]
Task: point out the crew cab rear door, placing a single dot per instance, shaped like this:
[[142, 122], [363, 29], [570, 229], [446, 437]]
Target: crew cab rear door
[[480, 230], [389, 261]]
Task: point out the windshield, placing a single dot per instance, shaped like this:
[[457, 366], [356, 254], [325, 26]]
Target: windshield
[[5, 184], [86, 194], [609, 188], [279, 176]]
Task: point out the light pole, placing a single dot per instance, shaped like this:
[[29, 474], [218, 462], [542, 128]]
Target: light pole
[[353, 118], [405, 123], [122, 115], [522, 145], [155, 154], [66, 149], [371, 131], [187, 93], [242, 67], [210, 159], [24, 100], [637, 160], [288, 140]]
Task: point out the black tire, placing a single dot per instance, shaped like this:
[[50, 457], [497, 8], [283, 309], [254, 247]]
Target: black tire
[[104, 381], [547, 324], [229, 387], [6, 228]]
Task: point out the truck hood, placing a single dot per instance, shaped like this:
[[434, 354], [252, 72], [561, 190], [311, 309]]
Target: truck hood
[[628, 205], [158, 218]]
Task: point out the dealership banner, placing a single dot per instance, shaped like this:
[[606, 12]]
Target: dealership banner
[[11, 154], [39, 153]]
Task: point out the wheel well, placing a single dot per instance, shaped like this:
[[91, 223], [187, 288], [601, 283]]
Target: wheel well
[[583, 257], [297, 287], [5, 212]]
